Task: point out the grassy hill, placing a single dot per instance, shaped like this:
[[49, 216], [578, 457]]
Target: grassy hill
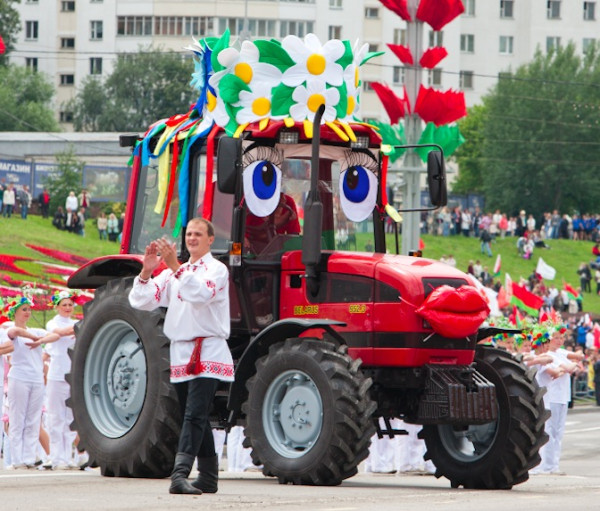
[[564, 255]]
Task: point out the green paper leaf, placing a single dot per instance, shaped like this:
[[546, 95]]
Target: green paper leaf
[[391, 135], [220, 45], [281, 100], [448, 137], [342, 105], [346, 59], [230, 87], [371, 55], [274, 54]]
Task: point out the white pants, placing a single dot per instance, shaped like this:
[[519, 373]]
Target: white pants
[[383, 450], [25, 402], [219, 437], [411, 450], [238, 456], [555, 427], [60, 417]]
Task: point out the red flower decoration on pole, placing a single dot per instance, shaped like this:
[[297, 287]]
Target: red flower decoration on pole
[[439, 12], [403, 53], [399, 7], [394, 106], [2, 46], [440, 107], [433, 56]]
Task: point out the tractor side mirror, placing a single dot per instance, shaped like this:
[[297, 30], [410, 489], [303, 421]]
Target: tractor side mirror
[[436, 178], [229, 162]]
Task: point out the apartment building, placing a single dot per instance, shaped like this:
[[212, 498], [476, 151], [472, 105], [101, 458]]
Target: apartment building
[[71, 39]]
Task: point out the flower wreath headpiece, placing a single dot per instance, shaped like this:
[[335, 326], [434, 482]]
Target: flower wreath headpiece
[[11, 307], [58, 296]]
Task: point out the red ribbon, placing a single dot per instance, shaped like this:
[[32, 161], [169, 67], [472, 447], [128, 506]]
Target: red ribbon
[[194, 366], [207, 207]]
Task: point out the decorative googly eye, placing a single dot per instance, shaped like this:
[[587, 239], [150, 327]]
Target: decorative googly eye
[[262, 187], [358, 192]]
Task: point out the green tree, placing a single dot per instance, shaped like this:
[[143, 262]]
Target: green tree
[[10, 25], [540, 135], [25, 98], [142, 88], [470, 179], [67, 178]]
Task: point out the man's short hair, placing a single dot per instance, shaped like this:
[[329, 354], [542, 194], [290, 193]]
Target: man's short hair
[[210, 229]]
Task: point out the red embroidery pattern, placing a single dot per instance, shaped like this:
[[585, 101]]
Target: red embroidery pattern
[[157, 293], [180, 271], [211, 285], [212, 368]]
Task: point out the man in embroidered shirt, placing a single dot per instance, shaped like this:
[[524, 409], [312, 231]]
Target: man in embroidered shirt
[[196, 295]]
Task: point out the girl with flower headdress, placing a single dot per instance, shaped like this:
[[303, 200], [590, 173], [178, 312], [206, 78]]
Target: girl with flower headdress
[[60, 415], [25, 381], [6, 347]]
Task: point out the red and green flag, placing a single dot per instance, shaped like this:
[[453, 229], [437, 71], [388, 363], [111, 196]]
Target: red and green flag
[[572, 293], [497, 266], [526, 300]]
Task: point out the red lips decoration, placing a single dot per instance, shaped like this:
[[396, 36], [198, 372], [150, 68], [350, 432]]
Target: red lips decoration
[[454, 313]]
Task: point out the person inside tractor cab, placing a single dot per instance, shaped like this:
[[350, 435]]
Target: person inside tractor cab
[[260, 231]]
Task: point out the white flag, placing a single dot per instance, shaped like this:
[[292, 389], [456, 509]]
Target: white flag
[[545, 270]]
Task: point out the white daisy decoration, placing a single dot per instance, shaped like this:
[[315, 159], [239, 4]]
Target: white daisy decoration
[[215, 109], [352, 81], [256, 104], [245, 65], [308, 100], [313, 60]]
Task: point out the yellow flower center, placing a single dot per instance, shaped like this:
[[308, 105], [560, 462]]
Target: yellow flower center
[[261, 106], [356, 78], [316, 64], [315, 101], [243, 70], [351, 105], [211, 101]]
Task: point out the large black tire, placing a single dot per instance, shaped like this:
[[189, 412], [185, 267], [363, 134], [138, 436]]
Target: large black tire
[[125, 410], [500, 454], [308, 413]]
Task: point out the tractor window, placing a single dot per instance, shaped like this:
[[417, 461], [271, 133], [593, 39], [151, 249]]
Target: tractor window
[[147, 224], [222, 209]]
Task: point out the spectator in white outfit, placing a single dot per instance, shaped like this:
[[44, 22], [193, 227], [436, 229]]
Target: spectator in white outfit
[[25, 382], [72, 203], [238, 456]]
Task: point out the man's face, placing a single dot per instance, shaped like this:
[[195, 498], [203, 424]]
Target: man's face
[[197, 240]]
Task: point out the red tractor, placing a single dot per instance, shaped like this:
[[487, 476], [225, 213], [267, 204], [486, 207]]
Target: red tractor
[[327, 337]]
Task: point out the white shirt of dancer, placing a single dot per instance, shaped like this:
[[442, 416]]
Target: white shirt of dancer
[[197, 301], [26, 363], [559, 389], [60, 362]]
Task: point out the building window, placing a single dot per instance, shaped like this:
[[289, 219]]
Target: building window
[[67, 79], [552, 42], [371, 13], [506, 8], [553, 9], [589, 11], [66, 116], [67, 42], [67, 6], [434, 77], [266, 28], [400, 36], [30, 2], [367, 86], [335, 32], [373, 48], [587, 43], [465, 80], [297, 28], [31, 63], [436, 38], [398, 75], [335, 4], [31, 30], [469, 8], [467, 43], [96, 65], [506, 44], [96, 30]]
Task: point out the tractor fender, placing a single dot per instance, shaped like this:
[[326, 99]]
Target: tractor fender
[[98, 272], [259, 346]]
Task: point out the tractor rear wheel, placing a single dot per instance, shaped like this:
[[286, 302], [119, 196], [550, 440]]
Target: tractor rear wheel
[[308, 413], [124, 408], [499, 454]]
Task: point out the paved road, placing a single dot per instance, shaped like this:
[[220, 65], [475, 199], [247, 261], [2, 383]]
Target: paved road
[[89, 491]]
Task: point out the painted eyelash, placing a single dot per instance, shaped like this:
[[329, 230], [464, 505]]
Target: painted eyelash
[[358, 158], [264, 153]]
